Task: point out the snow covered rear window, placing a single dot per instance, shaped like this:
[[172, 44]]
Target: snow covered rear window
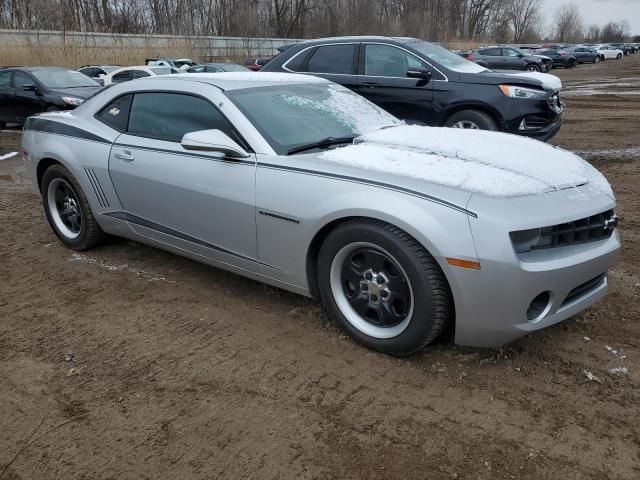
[[292, 115]]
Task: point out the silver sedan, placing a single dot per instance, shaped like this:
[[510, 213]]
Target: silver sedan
[[401, 231]]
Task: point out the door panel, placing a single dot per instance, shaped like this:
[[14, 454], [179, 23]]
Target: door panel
[[384, 81], [175, 195], [26, 103]]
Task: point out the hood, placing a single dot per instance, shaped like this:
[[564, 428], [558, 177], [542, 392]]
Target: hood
[[477, 161], [79, 92], [525, 79]]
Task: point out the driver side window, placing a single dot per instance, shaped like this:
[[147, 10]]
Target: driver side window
[[510, 53], [20, 79], [388, 61]]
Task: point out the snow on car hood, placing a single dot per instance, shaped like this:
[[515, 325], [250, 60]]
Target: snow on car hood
[[549, 82], [489, 163]]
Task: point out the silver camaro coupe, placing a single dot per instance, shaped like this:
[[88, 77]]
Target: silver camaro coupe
[[297, 182]]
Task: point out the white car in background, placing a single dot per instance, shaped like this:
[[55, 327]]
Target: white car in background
[[609, 52], [125, 74]]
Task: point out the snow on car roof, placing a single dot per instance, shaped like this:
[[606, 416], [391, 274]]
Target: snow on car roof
[[240, 80]]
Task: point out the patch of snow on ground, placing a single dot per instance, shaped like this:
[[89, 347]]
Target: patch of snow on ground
[[549, 82], [149, 276], [8, 156], [479, 161]]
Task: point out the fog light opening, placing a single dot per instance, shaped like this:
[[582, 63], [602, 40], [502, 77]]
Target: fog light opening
[[539, 307]]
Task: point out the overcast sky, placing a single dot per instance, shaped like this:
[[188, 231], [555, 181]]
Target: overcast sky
[[600, 11]]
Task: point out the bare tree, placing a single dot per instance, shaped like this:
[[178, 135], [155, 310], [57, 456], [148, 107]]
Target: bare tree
[[524, 16], [567, 23]]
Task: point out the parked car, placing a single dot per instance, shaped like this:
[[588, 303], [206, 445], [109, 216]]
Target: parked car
[[273, 176], [125, 74], [217, 68], [620, 46], [610, 53], [425, 84], [560, 58], [97, 71], [181, 63], [506, 58], [25, 91], [256, 64], [585, 54]]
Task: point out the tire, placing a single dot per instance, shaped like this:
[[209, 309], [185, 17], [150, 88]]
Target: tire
[[532, 67], [69, 214], [394, 265], [471, 119], [619, 57], [3, 125], [596, 60]]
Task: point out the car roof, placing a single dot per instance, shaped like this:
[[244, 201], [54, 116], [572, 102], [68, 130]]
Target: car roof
[[37, 69], [359, 38], [242, 80]]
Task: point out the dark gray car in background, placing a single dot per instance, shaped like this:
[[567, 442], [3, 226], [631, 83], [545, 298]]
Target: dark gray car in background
[[507, 58]]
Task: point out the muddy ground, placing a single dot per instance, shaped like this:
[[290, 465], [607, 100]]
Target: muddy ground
[[164, 368]]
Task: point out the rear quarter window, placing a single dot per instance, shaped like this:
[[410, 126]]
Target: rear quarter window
[[116, 113]]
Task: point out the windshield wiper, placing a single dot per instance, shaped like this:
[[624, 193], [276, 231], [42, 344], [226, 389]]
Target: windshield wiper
[[324, 143]]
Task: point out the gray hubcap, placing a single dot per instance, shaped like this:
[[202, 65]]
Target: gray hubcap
[[64, 208], [466, 124]]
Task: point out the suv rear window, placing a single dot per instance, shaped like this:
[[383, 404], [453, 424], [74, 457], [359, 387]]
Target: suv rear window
[[336, 59]]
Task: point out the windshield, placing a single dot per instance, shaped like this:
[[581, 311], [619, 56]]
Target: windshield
[[290, 116], [63, 79], [446, 58]]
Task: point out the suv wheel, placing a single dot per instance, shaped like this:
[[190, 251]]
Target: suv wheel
[[471, 119], [382, 287]]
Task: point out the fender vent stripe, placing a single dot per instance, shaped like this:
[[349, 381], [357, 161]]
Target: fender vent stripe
[[279, 217], [58, 128], [97, 188]]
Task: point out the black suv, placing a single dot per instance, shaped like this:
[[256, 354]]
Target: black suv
[[423, 83]]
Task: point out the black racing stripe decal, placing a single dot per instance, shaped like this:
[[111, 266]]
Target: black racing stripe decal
[[127, 217], [58, 128], [279, 217], [373, 183], [240, 161]]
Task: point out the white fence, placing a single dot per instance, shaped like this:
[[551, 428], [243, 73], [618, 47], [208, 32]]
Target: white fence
[[203, 48]]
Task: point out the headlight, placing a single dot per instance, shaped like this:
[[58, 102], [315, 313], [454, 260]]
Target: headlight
[[521, 92], [72, 101]]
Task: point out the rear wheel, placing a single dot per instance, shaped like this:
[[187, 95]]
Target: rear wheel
[[471, 119], [382, 287], [68, 210]]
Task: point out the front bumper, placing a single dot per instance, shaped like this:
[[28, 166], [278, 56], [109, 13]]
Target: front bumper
[[492, 303], [538, 119]]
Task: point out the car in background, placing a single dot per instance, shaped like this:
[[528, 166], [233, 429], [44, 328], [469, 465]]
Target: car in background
[[506, 58], [217, 68], [401, 231], [560, 58], [181, 63], [98, 71], [256, 64], [586, 54], [609, 52], [25, 91], [425, 84], [126, 74], [621, 46]]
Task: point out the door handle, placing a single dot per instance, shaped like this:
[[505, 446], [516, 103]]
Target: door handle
[[126, 156], [370, 84]]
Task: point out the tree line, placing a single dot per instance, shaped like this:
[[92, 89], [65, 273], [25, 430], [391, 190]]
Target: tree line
[[519, 21]]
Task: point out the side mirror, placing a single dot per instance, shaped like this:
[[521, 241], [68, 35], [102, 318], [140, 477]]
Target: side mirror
[[213, 141], [29, 87], [419, 73]]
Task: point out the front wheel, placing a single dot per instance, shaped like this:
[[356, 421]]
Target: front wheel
[[532, 68], [471, 119], [382, 287], [596, 60], [68, 210], [619, 57]]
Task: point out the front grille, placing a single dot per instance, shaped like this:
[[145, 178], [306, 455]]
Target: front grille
[[584, 289], [586, 230]]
